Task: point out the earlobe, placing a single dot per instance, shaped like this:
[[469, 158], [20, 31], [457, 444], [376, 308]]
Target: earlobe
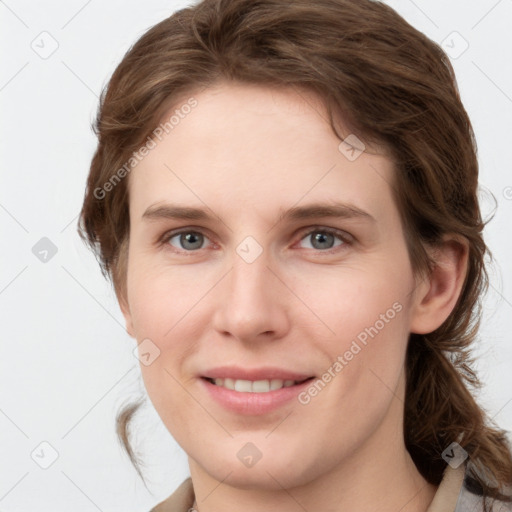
[[438, 294]]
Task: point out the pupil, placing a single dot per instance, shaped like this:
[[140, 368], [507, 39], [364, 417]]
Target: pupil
[[321, 238], [191, 238]]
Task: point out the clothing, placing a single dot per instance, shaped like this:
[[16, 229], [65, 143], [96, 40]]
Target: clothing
[[453, 495]]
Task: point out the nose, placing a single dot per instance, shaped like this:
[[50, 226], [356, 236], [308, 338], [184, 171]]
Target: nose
[[251, 303]]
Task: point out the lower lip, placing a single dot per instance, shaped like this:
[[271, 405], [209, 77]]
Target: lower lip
[[253, 403]]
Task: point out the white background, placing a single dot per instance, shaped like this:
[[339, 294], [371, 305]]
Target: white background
[[66, 362]]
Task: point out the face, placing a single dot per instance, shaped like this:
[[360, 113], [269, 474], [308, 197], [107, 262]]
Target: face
[[264, 255]]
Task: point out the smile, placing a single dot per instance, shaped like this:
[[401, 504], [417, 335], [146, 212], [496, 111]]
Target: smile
[[253, 397], [253, 386]]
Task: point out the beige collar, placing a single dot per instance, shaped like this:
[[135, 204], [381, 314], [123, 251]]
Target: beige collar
[[448, 491]]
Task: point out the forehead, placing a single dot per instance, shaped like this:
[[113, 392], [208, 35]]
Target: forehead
[[251, 146]]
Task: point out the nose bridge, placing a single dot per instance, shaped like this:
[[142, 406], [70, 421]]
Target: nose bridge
[[249, 282], [250, 302]]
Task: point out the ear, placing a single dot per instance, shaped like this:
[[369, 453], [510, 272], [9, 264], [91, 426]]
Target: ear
[[436, 296]]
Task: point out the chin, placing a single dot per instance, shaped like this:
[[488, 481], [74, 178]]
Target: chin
[[260, 479], [271, 472]]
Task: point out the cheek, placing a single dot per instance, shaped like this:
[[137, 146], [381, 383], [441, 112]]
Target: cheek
[[160, 298], [155, 309], [367, 313], [348, 301], [160, 309]]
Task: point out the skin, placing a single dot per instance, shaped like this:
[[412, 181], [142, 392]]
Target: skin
[[246, 154]]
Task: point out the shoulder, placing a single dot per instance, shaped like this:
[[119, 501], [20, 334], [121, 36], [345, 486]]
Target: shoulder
[[459, 491], [475, 503], [471, 496], [181, 500]]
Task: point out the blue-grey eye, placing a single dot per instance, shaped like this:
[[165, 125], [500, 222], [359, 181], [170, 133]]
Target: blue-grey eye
[[188, 240], [321, 239]]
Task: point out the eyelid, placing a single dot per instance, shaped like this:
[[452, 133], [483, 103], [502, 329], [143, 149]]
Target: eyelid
[[164, 239], [345, 237]]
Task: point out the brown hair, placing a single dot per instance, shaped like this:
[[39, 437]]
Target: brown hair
[[389, 84]]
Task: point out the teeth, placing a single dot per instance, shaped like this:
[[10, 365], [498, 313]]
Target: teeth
[[256, 386], [245, 386]]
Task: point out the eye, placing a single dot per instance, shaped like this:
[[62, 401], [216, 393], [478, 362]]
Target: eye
[[186, 240], [323, 239]]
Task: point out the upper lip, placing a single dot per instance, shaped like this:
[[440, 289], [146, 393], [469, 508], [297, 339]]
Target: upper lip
[[263, 373]]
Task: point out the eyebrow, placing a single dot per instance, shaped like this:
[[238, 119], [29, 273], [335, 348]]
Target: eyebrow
[[316, 210]]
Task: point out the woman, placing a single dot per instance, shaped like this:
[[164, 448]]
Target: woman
[[309, 350]]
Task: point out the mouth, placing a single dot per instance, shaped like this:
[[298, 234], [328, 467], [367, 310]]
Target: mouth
[[255, 386], [253, 391]]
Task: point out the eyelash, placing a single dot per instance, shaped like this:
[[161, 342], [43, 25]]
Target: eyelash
[[341, 235]]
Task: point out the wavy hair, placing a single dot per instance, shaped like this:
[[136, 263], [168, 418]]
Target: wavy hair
[[388, 83]]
